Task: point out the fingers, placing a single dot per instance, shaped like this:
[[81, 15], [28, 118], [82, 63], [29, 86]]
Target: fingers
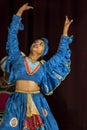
[[27, 7], [67, 20], [30, 7], [23, 8]]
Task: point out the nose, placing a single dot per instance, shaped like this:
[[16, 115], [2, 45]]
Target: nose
[[37, 44]]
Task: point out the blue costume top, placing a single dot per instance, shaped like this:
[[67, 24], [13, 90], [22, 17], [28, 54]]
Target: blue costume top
[[49, 74]]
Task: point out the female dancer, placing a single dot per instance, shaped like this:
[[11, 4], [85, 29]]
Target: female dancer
[[27, 108]]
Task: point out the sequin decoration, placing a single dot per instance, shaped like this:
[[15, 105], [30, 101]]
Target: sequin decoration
[[14, 122], [44, 111]]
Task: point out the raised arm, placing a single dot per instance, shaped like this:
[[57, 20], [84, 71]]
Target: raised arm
[[65, 39], [58, 66], [12, 42], [12, 45], [63, 48]]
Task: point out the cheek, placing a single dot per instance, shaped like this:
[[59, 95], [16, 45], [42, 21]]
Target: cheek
[[31, 46]]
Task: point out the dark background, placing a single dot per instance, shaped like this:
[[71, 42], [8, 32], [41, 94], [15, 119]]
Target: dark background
[[69, 101]]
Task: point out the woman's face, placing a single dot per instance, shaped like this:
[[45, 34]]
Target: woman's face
[[38, 46]]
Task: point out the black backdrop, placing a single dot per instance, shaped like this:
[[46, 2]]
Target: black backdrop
[[68, 103]]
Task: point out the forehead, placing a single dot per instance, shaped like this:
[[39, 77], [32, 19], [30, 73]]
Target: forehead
[[39, 41]]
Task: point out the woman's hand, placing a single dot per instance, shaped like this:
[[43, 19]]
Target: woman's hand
[[67, 24], [24, 8]]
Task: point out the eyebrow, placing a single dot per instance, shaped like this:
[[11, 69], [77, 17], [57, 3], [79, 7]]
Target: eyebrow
[[40, 41]]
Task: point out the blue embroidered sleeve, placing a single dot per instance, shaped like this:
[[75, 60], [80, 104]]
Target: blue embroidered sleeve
[[12, 42], [63, 53], [57, 67]]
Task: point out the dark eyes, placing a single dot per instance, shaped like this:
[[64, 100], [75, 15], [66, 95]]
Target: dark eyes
[[40, 43]]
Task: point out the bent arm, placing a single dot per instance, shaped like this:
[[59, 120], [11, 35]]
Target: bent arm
[[63, 51], [58, 66]]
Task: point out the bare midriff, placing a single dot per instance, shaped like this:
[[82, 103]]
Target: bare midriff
[[26, 86]]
